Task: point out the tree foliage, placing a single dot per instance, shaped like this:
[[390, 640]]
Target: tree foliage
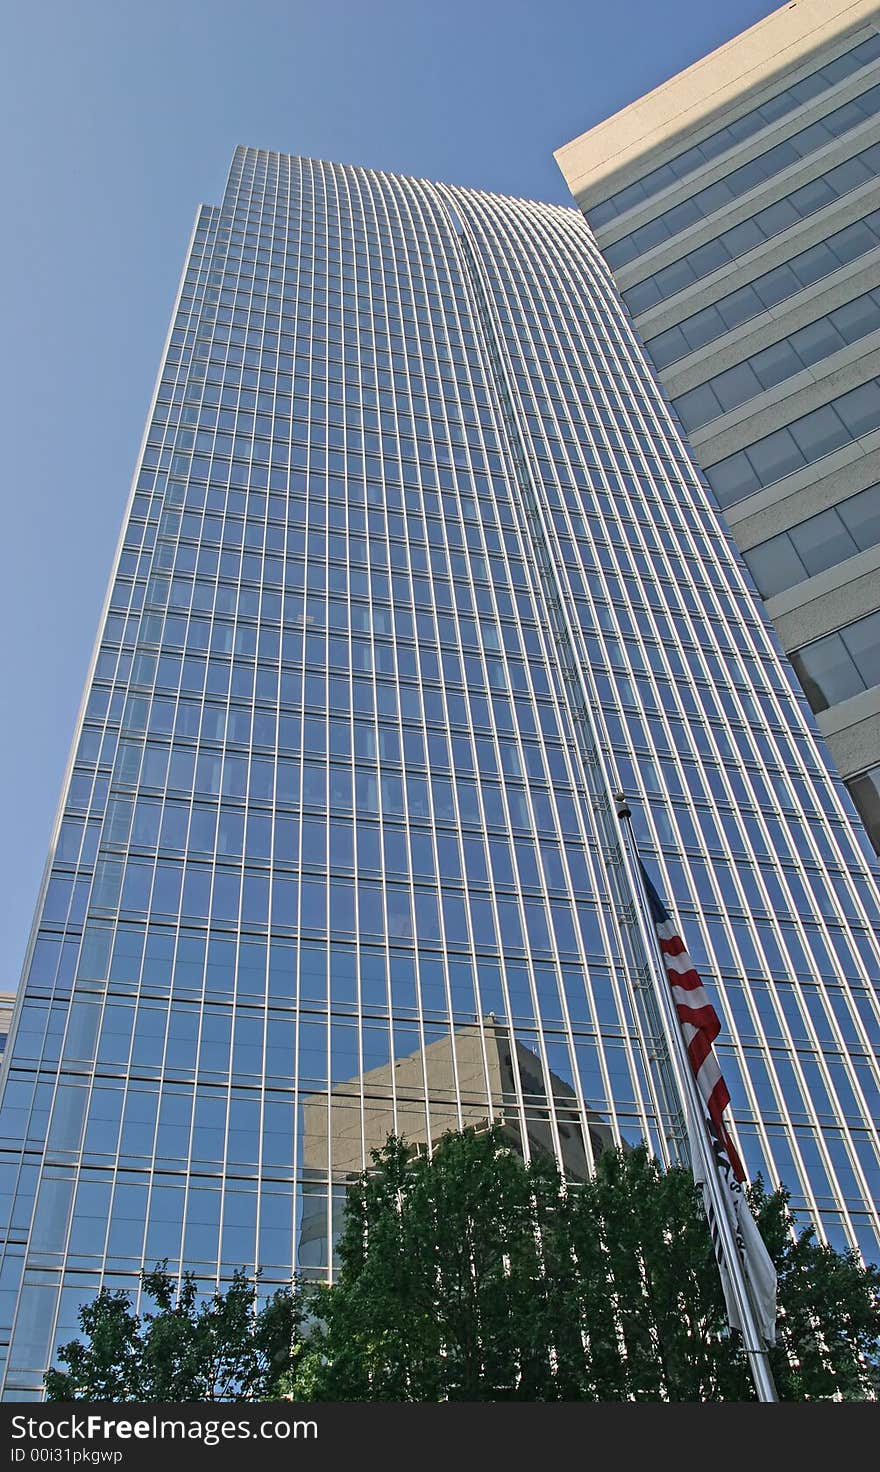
[[189, 1349], [471, 1275]]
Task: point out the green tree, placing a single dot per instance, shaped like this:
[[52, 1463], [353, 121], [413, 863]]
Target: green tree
[[651, 1305], [224, 1348], [470, 1275], [829, 1310], [441, 1293]]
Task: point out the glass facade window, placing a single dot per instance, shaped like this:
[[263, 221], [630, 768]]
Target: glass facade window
[[734, 134], [704, 260], [781, 360], [841, 664], [820, 542], [722, 193], [416, 570], [765, 291], [801, 443]]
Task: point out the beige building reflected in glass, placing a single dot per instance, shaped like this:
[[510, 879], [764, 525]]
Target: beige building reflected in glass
[[7, 1007], [473, 1078]]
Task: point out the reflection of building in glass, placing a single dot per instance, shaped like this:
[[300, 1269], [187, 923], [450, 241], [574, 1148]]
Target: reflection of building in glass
[[7, 1003], [470, 1079], [464, 1080], [737, 206], [415, 570]]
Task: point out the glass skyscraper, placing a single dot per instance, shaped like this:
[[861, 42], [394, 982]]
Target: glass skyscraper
[[415, 572]]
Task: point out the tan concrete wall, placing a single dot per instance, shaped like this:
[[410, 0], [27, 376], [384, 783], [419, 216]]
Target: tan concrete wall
[[852, 730], [792, 487], [773, 325], [394, 1102], [815, 489], [767, 137], [777, 407], [855, 591], [637, 138], [814, 166], [781, 248]]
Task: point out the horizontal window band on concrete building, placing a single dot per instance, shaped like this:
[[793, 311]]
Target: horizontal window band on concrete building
[[705, 259], [735, 133], [780, 360], [766, 291], [840, 665], [722, 192], [801, 443], [814, 545]]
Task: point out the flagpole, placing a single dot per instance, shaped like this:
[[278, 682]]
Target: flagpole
[[692, 1105]]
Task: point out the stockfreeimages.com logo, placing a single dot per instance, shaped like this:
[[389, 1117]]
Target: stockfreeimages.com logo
[[74, 1428]]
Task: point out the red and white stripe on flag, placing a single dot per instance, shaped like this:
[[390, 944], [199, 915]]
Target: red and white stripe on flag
[[700, 1026], [698, 1018]]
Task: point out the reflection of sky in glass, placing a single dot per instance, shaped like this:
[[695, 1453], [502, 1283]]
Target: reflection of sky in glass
[[415, 569]]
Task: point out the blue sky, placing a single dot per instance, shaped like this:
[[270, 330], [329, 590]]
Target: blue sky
[[117, 120]]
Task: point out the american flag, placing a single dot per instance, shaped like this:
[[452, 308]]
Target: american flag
[[700, 1027], [699, 1022]]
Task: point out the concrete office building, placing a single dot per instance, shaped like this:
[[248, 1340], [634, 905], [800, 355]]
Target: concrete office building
[[737, 207], [416, 570]]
